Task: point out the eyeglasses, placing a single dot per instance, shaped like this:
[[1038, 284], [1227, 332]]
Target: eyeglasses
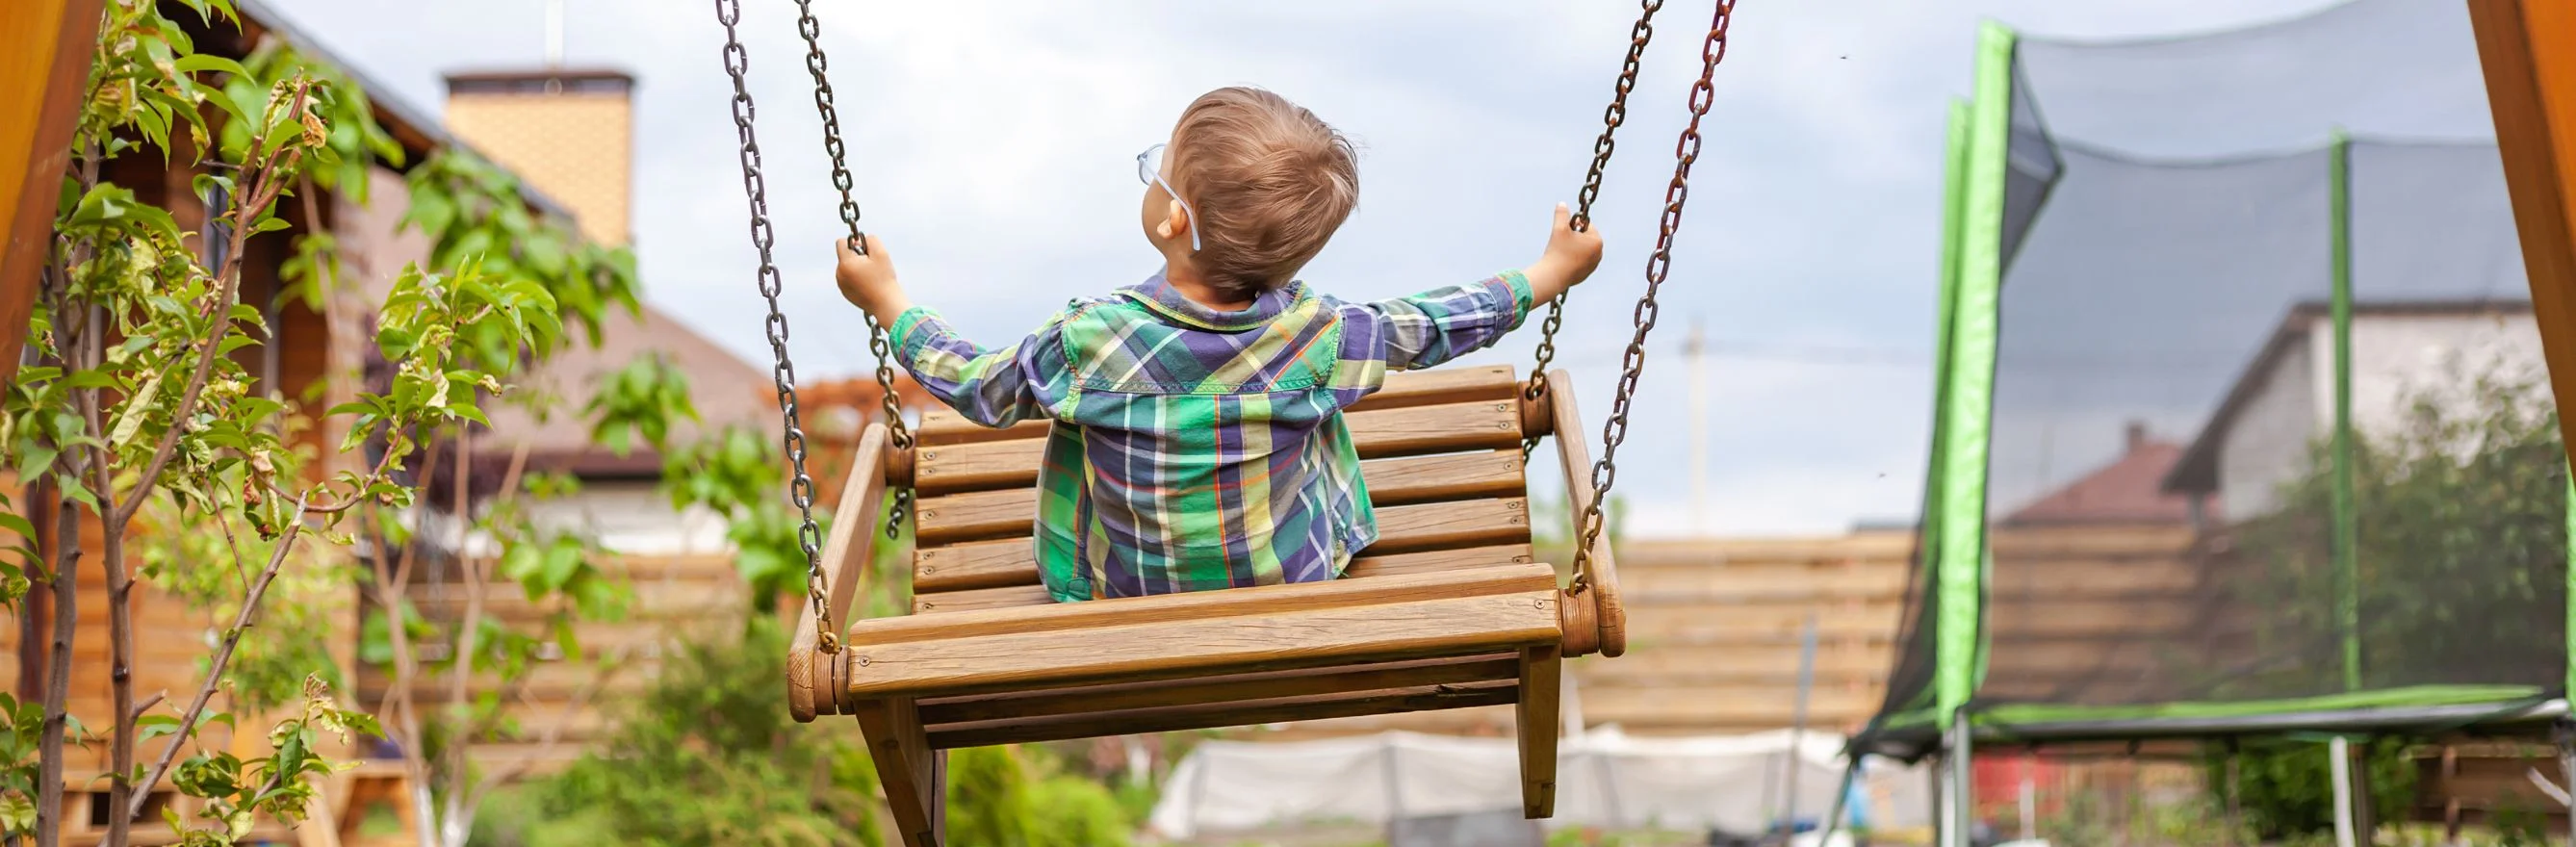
[[1149, 170]]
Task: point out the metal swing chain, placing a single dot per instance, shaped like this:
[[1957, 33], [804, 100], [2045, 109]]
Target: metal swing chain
[[1686, 151], [1611, 117], [816, 64], [800, 488]]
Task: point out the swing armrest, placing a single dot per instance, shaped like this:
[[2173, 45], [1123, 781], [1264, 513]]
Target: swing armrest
[[1598, 622], [814, 678]]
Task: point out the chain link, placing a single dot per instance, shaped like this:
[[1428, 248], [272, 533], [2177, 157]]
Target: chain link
[[1611, 117], [816, 64], [1605, 472], [800, 488]]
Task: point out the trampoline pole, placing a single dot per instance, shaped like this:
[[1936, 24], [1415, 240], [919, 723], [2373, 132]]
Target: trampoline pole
[[2565, 735], [2339, 766], [1798, 730], [1834, 815], [1957, 834]]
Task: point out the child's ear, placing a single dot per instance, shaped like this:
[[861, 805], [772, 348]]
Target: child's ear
[[1176, 222]]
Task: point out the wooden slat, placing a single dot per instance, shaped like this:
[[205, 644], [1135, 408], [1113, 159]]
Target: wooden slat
[[1249, 629], [1402, 431], [946, 561], [2043, 621], [975, 515], [1154, 650], [1180, 718], [965, 567], [1768, 665], [1029, 593], [1206, 605], [1401, 529], [651, 600], [1222, 689], [1893, 547], [942, 426], [977, 599], [978, 515], [1670, 704], [1442, 385], [2089, 541], [1777, 583], [1437, 526]]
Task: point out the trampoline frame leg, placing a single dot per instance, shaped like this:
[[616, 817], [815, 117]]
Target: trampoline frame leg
[[1957, 799]]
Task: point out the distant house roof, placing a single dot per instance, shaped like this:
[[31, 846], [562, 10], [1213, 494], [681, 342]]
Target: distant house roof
[[725, 389], [414, 128], [2197, 471], [542, 80], [2126, 491]]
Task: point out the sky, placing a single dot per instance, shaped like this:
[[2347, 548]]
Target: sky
[[993, 145]]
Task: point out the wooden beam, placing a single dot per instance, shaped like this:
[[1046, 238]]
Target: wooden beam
[[810, 671], [1537, 718], [45, 48], [1608, 618], [1212, 715], [1273, 627], [2528, 48], [913, 774], [1222, 689]]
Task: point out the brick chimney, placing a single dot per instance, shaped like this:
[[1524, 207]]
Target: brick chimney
[[569, 133], [2137, 435]]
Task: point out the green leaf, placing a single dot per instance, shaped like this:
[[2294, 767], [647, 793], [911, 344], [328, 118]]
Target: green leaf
[[197, 62], [130, 415], [149, 727], [562, 560]]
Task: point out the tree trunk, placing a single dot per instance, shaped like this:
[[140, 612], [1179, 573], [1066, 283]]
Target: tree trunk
[[58, 671], [120, 674]]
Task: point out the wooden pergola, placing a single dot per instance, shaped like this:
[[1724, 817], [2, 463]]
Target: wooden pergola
[[44, 61], [2529, 50]]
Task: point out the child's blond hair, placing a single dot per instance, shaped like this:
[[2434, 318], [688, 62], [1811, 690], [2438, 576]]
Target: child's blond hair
[[1268, 182]]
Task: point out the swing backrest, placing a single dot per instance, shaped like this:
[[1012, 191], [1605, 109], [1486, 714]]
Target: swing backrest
[[1440, 450]]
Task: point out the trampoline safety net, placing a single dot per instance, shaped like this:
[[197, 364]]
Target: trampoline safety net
[[2240, 326]]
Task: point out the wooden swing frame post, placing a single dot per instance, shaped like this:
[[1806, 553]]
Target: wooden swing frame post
[[2528, 49], [44, 64]]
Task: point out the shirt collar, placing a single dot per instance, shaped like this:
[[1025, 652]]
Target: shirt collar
[[1158, 293]]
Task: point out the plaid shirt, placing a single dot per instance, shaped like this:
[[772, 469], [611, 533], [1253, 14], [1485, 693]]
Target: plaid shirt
[[1197, 449]]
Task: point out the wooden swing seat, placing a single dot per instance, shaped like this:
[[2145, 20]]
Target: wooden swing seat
[[1448, 610]]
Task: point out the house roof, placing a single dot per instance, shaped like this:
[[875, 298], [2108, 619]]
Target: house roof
[[414, 128], [725, 389], [2197, 471], [2125, 491]]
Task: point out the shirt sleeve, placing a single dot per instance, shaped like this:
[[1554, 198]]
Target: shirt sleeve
[[996, 387], [1439, 325]]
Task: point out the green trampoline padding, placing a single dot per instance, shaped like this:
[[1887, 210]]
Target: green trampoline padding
[[2420, 696]]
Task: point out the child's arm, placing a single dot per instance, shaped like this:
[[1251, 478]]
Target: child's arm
[[990, 387], [1435, 326]]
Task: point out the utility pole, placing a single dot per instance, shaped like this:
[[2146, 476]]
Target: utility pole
[[554, 33], [1695, 349]]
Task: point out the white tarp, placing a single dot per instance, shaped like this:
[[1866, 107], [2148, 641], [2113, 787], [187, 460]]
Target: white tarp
[[1604, 778]]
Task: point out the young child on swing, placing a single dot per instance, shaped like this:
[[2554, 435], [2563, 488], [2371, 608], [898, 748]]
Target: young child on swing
[[1200, 442]]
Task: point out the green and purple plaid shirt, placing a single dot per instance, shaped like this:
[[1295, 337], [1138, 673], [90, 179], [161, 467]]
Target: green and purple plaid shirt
[[1197, 449]]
